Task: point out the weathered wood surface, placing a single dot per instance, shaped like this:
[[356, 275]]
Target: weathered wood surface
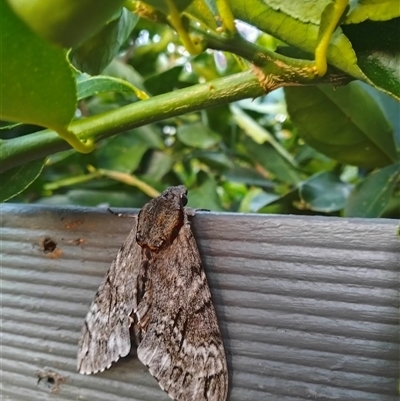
[[308, 306]]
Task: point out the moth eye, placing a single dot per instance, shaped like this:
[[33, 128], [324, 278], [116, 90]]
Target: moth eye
[[184, 199]]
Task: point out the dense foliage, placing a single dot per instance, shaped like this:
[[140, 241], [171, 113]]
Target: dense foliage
[[326, 144]]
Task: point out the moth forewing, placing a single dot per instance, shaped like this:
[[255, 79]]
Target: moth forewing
[[157, 282], [105, 333]]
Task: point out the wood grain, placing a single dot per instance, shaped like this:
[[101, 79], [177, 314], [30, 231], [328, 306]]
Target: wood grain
[[308, 306]]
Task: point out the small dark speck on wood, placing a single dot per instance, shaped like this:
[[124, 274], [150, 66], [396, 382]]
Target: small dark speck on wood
[[52, 380], [49, 245]]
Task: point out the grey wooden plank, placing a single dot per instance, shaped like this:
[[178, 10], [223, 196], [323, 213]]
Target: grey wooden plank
[[308, 307]]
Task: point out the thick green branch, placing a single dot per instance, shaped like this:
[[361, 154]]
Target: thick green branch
[[248, 84], [15, 152]]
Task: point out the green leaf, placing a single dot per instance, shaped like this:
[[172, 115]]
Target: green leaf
[[297, 10], [285, 204], [93, 55], [372, 195], [255, 200], [383, 69], [198, 136], [297, 23], [259, 134], [217, 160], [205, 196], [164, 82], [89, 86], [250, 126], [199, 11], [377, 47], [391, 109], [267, 156], [37, 82], [248, 177], [125, 152], [375, 10], [65, 22], [325, 192], [344, 124], [118, 69], [162, 6], [158, 165], [19, 178]]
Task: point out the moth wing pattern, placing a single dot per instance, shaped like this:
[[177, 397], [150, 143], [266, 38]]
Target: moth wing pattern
[[105, 335], [180, 341], [157, 286]]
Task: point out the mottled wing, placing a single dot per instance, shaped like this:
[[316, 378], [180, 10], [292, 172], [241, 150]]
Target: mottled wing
[[105, 334], [180, 339]]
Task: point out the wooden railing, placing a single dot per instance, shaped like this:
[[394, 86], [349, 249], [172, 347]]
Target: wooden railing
[[308, 306]]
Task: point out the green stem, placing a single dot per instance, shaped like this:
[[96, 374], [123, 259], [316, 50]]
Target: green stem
[[174, 18], [130, 180], [80, 146], [278, 70], [329, 20], [258, 55], [221, 91], [271, 71], [66, 182]]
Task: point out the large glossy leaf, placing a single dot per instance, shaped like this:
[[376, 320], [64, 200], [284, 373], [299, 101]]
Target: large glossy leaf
[[382, 68], [375, 10], [37, 83], [378, 52], [66, 22], [344, 124], [297, 24], [372, 195], [324, 192], [93, 55], [391, 109], [17, 179], [297, 10]]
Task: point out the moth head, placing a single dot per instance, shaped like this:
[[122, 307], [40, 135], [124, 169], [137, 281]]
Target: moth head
[[160, 220]]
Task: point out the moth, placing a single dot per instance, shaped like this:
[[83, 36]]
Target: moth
[[156, 292]]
